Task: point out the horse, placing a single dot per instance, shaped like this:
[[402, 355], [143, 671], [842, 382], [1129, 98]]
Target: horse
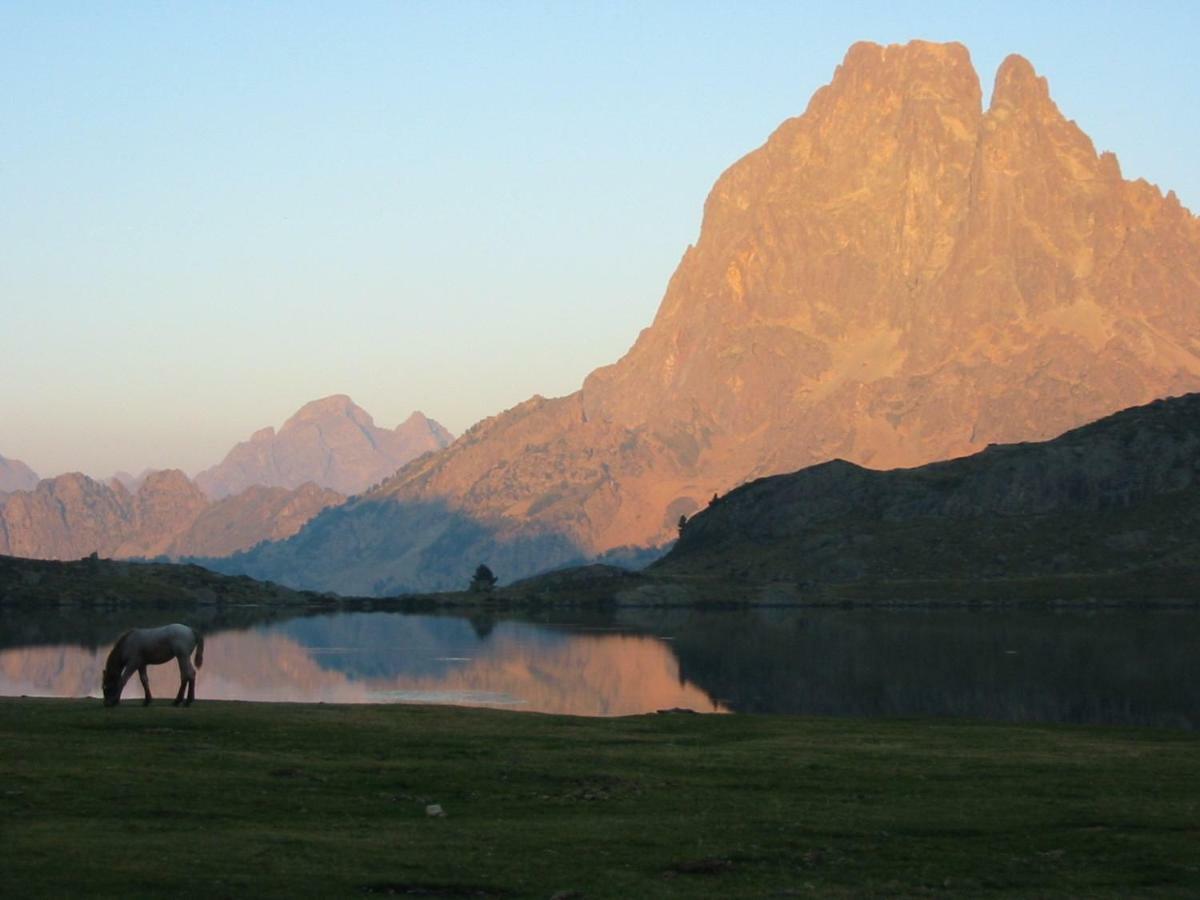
[[140, 647]]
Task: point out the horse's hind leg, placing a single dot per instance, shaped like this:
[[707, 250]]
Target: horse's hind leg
[[187, 682], [145, 685]]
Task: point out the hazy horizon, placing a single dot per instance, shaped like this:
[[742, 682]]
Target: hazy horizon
[[218, 214]]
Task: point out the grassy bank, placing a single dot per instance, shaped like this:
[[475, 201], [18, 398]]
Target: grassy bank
[[231, 799]]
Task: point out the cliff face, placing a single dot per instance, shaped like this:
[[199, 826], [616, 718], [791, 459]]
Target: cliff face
[[330, 442], [71, 516], [896, 276]]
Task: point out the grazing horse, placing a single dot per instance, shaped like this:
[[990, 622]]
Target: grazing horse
[[141, 647]]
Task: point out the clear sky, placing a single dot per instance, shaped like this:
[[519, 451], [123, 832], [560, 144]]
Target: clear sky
[[212, 213]]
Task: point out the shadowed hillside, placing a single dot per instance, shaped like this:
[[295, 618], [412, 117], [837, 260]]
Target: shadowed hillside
[[1118, 497], [99, 582], [381, 547]]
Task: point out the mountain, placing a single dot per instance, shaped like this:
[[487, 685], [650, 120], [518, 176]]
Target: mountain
[[897, 276], [16, 476], [330, 442], [72, 516], [256, 514], [1120, 496]]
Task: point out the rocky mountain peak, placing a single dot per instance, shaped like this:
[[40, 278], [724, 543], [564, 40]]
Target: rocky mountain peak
[[920, 69], [331, 442], [894, 277], [1019, 87], [72, 515], [336, 406]]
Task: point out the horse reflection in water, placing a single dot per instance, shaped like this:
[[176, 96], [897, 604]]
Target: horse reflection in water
[[141, 647]]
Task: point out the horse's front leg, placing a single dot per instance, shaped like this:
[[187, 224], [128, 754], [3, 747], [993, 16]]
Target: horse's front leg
[[145, 685], [126, 674]]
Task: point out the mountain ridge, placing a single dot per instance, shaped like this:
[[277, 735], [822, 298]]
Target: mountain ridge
[[896, 276], [72, 515], [1113, 497], [331, 442]]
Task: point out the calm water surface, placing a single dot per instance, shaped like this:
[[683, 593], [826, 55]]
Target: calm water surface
[[394, 658], [1137, 667]]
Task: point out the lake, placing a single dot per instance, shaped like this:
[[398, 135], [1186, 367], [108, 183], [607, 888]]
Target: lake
[[1119, 667]]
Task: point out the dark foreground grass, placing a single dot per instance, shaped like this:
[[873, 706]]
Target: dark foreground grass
[[241, 800]]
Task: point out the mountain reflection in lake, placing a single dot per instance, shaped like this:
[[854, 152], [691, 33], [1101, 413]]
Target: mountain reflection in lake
[[387, 657], [1119, 667]]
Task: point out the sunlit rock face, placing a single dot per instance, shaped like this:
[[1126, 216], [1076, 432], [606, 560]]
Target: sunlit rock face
[[330, 442], [264, 490], [516, 667], [71, 516], [897, 276]]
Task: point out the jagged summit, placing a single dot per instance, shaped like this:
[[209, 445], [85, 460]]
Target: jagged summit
[[331, 442], [896, 276], [326, 408], [159, 512], [1019, 86]]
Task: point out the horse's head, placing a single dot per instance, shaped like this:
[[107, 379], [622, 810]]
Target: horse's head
[[110, 684]]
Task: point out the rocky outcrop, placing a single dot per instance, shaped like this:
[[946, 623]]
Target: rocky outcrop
[[16, 476], [897, 276], [72, 516], [330, 442]]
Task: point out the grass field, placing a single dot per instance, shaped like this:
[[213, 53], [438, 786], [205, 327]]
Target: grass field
[[240, 800]]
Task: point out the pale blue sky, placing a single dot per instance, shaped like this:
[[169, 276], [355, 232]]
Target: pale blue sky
[[215, 212]]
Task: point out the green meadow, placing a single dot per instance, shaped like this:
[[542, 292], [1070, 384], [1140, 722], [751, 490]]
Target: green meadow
[[260, 800]]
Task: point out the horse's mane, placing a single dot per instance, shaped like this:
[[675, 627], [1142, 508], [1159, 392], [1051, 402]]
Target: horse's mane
[[114, 655]]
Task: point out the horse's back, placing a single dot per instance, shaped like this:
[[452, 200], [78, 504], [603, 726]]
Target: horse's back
[[166, 642]]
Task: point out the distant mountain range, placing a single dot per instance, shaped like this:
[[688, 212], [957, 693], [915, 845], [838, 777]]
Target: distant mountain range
[[1119, 497], [72, 516], [264, 490], [897, 276], [330, 442]]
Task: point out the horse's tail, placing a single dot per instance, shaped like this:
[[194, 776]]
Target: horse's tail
[[199, 648]]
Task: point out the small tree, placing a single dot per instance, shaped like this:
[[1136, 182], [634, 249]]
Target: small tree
[[483, 580], [682, 524]]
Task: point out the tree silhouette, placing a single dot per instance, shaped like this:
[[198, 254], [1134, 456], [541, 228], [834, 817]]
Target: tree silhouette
[[682, 524], [483, 580]]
